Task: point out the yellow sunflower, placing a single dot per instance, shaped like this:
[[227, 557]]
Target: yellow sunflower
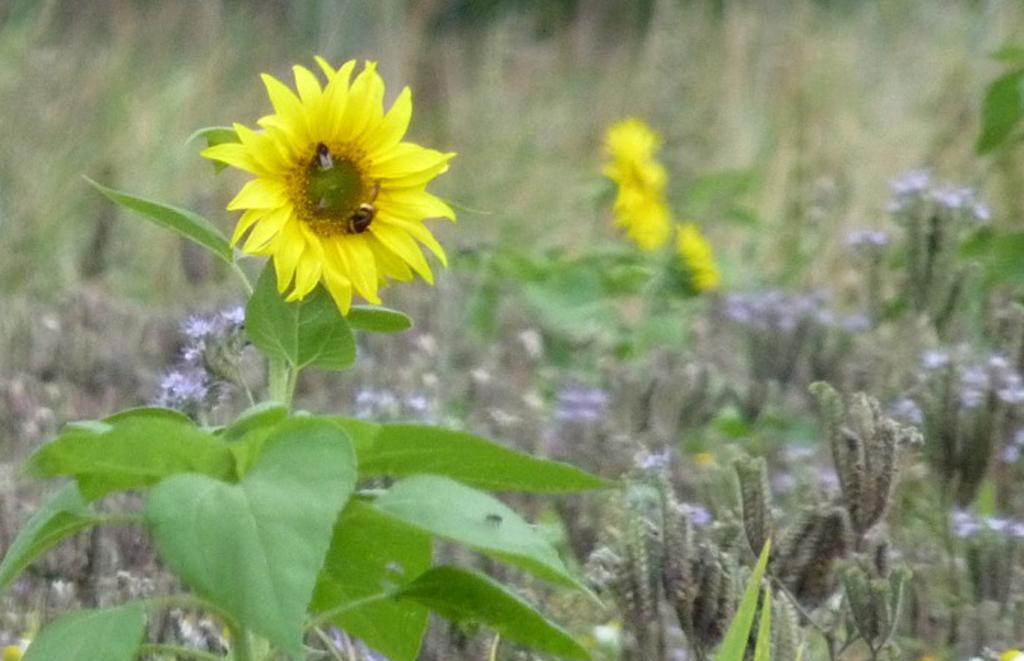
[[338, 197], [697, 258], [640, 206]]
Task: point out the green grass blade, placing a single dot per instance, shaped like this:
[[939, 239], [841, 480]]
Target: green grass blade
[[734, 645], [763, 649]]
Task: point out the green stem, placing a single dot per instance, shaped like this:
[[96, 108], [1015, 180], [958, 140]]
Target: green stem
[[326, 616], [241, 645], [293, 380], [280, 376], [178, 652]]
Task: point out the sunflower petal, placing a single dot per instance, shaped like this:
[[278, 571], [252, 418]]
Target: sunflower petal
[[393, 126], [365, 103], [286, 259], [417, 230], [403, 245], [307, 275], [407, 159], [236, 155], [244, 223], [259, 194], [263, 149], [415, 204], [307, 84], [362, 269], [267, 229], [338, 286], [282, 97], [389, 264]]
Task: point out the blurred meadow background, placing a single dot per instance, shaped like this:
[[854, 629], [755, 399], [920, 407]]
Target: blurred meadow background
[[784, 125]]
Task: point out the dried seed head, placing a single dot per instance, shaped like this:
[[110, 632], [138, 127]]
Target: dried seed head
[[860, 595], [755, 498], [880, 558], [807, 556], [865, 446], [603, 571], [715, 599], [875, 603], [643, 564], [678, 556], [786, 634]]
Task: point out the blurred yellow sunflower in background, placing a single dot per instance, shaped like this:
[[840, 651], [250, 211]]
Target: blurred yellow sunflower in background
[[697, 258], [17, 651], [640, 206], [338, 197]]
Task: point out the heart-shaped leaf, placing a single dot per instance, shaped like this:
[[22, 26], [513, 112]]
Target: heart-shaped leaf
[[466, 596], [265, 414], [372, 552], [182, 221], [255, 548], [131, 450], [111, 634], [454, 511], [398, 450], [62, 516], [310, 332]]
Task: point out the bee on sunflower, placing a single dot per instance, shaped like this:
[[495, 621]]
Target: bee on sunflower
[[640, 207], [338, 197]]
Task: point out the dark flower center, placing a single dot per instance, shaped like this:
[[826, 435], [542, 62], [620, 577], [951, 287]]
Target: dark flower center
[[334, 186]]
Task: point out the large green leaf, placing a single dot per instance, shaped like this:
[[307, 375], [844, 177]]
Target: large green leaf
[[445, 508], [131, 450], [60, 517], [378, 319], [182, 221], [111, 634], [466, 596], [1001, 110], [363, 435], [255, 548], [734, 644], [310, 332], [265, 414], [399, 450], [371, 552]]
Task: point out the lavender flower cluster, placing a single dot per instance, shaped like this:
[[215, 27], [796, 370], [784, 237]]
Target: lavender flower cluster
[[773, 310], [192, 386], [579, 404], [993, 375], [967, 524], [1013, 449], [868, 240], [918, 189]]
